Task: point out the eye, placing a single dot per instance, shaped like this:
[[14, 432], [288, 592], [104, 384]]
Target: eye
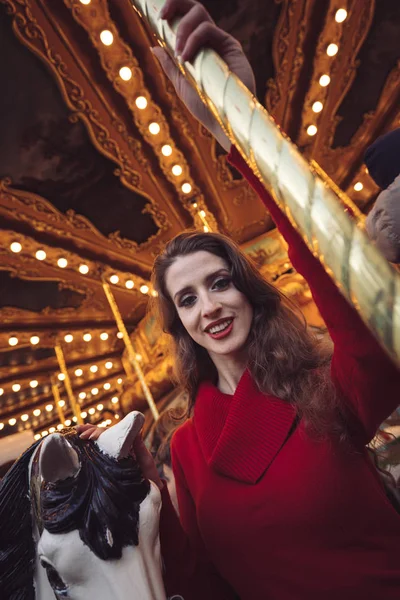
[[222, 283], [57, 584], [187, 301]]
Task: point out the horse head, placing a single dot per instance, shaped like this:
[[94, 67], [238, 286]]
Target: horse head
[[78, 521]]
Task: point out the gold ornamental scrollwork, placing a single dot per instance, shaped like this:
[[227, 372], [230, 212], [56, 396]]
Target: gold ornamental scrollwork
[[28, 31]]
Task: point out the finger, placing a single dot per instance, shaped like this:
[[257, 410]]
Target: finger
[[172, 8], [95, 435], [171, 70], [206, 34], [86, 434], [83, 427], [193, 19]]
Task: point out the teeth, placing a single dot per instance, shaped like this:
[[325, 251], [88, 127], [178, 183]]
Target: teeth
[[220, 327]]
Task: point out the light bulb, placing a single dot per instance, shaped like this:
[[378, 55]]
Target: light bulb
[[177, 170], [87, 337], [61, 403], [12, 422], [1, 391], [324, 80], [311, 130], [13, 341], [91, 411], [107, 386], [44, 433], [62, 263], [60, 426], [36, 412], [1, 426], [16, 387], [94, 391], [186, 188], [166, 150], [120, 335], [106, 37], [317, 107], [61, 377], [341, 15], [15, 247], [94, 369], [41, 255], [119, 380], [52, 429], [67, 423], [74, 419], [109, 365], [24, 417], [99, 407], [84, 414], [114, 279], [82, 395], [37, 436], [332, 49], [358, 186], [114, 400], [68, 338], [78, 372], [202, 213], [34, 340], [129, 284], [104, 336], [86, 2], [154, 128], [125, 73], [144, 289], [205, 229], [33, 383], [141, 102], [49, 407], [83, 269]]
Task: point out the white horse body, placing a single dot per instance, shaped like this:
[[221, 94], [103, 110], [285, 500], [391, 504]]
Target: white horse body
[[137, 575]]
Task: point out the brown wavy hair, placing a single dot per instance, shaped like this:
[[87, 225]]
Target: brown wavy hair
[[284, 358]]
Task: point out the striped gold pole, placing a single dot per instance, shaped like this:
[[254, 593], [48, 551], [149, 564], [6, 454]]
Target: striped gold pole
[[130, 349], [67, 382], [313, 206], [57, 400]]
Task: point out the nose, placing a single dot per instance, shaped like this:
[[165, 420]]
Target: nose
[[210, 307]]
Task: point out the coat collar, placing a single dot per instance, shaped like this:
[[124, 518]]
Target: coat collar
[[240, 435]]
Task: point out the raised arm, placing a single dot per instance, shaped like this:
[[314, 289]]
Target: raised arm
[[366, 378]]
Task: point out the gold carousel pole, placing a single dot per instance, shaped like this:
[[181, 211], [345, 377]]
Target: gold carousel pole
[[67, 382], [313, 206], [130, 349], [57, 400]]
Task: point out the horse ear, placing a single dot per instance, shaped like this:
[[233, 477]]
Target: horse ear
[[117, 440], [58, 459]]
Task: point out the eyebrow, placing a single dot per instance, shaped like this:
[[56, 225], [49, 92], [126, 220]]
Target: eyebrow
[[207, 280]]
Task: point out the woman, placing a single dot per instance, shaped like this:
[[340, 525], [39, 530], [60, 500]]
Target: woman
[[277, 496]]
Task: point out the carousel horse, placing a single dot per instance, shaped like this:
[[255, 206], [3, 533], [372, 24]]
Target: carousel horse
[[78, 521]]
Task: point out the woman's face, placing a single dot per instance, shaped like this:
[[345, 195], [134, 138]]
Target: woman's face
[[214, 313]]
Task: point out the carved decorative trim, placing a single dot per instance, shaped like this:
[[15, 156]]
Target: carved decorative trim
[[28, 31], [96, 17]]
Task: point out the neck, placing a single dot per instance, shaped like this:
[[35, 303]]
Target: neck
[[230, 369]]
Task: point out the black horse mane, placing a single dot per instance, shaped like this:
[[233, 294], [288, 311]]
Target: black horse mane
[[102, 502], [17, 554]]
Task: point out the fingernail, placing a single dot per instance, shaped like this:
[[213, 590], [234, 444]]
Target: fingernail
[[92, 436]]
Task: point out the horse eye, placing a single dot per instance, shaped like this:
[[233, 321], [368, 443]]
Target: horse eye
[[59, 587]]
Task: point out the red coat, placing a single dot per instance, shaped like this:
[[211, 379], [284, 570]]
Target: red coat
[[273, 516]]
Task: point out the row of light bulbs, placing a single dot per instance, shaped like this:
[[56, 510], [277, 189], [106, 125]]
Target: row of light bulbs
[[68, 338], [125, 73], [68, 423], [16, 387], [324, 80], [49, 408], [62, 262]]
